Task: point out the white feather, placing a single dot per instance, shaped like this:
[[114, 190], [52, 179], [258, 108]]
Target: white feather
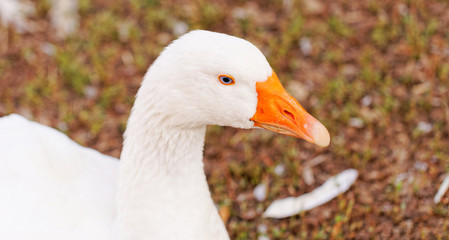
[[442, 190], [331, 188]]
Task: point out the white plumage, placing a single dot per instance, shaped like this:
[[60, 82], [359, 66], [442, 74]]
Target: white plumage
[[52, 188]]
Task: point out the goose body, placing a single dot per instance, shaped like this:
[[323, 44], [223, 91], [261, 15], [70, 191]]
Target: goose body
[[55, 189]]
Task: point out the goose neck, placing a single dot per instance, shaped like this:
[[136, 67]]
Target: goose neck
[[163, 192]]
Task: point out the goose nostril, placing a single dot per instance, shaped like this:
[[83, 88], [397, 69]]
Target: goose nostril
[[289, 115]]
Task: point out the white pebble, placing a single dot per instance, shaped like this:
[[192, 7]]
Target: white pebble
[[356, 122], [64, 17], [262, 228], [123, 29], [287, 5], [63, 126], [422, 166], [279, 169], [16, 13], [239, 13], [424, 127], [260, 192], [48, 48], [306, 46], [308, 175], [90, 92], [179, 28], [367, 100], [400, 178], [403, 9]]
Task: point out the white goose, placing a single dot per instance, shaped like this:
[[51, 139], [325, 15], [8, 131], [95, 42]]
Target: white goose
[[51, 188]]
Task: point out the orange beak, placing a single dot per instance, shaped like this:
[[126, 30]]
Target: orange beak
[[279, 112]]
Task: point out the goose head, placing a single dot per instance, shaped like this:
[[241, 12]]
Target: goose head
[[206, 78]]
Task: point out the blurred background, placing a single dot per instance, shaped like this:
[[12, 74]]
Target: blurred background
[[376, 73]]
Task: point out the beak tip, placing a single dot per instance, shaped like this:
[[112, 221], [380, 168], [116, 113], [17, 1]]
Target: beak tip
[[321, 136]]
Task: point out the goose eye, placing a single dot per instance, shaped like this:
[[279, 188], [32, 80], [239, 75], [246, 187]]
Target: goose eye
[[226, 79]]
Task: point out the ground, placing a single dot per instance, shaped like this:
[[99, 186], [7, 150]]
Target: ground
[[376, 73]]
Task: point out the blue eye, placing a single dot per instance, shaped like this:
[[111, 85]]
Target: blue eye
[[226, 79]]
